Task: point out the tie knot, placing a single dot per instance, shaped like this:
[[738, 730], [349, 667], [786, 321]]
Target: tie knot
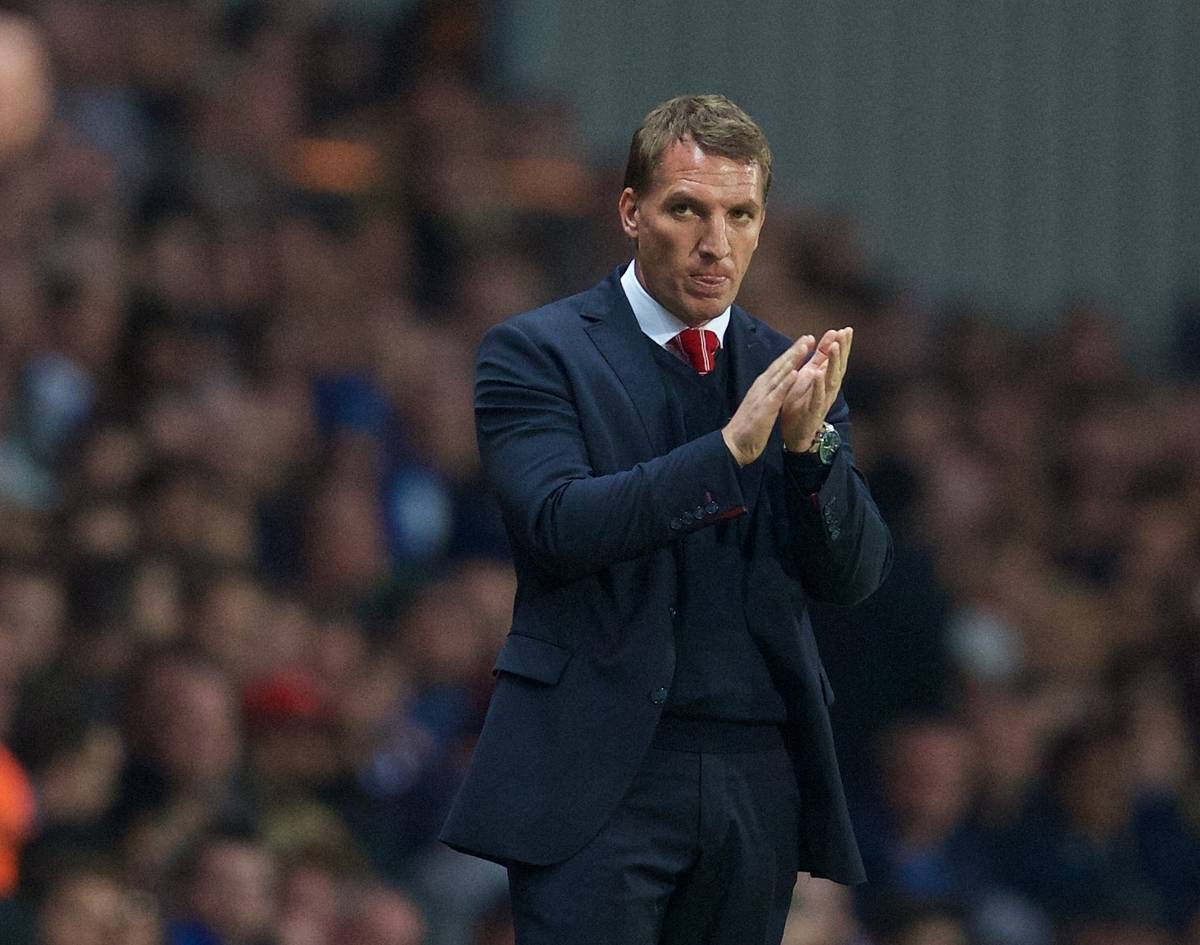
[[698, 346]]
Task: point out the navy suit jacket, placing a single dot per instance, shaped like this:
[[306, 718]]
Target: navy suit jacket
[[577, 438]]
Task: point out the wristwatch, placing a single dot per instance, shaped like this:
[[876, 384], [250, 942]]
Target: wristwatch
[[825, 444]]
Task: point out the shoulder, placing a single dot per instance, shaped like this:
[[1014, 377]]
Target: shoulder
[[553, 317], [556, 323]]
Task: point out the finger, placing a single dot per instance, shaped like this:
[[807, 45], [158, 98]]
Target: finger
[[821, 352], [798, 348], [820, 388], [842, 360], [832, 346], [784, 387], [820, 355], [809, 375], [845, 340], [769, 392], [780, 383], [804, 401], [838, 362], [801, 348], [772, 402], [787, 363], [799, 394]]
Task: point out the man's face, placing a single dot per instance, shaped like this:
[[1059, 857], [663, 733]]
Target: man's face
[[696, 228]]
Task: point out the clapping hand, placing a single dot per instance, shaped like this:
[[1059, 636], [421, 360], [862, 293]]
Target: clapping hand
[[805, 407]]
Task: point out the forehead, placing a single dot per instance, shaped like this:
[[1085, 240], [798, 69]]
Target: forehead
[[687, 166]]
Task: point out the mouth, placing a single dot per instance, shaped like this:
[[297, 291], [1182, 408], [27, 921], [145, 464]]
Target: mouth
[[707, 283]]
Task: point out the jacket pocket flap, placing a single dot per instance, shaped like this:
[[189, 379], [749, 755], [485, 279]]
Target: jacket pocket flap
[[532, 658]]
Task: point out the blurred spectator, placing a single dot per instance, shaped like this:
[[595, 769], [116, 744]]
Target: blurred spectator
[[310, 904], [1085, 848], [33, 610], [184, 773], [929, 842], [1012, 722], [410, 717], [24, 84], [90, 905], [229, 892], [291, 736], [73, 755], [381, 916], [920, 840]]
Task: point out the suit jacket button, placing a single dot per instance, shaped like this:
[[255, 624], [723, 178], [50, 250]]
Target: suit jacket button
[[712, 508], [685, 517], [676, 524], [659, 696], [699, 513], [673, 612]]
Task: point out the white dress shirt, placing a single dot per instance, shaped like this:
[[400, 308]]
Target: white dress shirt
[[655, 321]]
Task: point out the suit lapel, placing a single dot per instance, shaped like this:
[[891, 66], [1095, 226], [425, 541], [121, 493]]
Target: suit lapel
[[748, 355], [748, 358], [615, 332]]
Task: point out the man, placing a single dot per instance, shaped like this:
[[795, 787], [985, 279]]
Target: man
[[677, 481]]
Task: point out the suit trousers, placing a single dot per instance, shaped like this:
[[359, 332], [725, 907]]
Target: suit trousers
[[701, 851]]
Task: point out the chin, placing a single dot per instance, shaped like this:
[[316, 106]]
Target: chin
[[707, 312]]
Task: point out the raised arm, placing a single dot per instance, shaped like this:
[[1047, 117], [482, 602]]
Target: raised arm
[[566, 518]]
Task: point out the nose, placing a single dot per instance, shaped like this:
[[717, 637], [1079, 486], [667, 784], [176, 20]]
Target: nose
[[714, 242]]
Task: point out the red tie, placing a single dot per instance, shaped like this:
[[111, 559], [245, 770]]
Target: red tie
[[697, 346]]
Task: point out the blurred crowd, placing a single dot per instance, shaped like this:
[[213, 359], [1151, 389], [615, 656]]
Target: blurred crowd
[[251, 582]]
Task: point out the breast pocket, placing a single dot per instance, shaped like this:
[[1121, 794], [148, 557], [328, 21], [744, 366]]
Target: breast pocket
[[531, 658]]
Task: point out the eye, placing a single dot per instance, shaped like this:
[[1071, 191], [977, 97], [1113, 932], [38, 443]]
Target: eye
[[681, 209]]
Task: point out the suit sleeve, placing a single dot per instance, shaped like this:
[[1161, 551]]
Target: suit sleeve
[[840, 545], [567, 519]]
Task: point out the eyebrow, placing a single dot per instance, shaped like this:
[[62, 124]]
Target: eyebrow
[[678, 196], [752, 205]]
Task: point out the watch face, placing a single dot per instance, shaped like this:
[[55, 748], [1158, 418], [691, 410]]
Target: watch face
[[831, 441]]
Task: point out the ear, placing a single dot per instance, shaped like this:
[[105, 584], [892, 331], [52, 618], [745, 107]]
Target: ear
[[627, 209]]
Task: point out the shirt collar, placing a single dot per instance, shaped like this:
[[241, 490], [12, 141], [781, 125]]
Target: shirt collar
[[655, 321]]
